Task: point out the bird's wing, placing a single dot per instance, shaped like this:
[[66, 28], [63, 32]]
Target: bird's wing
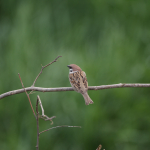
[[74, 79], [83, 75]]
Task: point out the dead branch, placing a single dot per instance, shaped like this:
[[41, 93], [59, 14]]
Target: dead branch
[[42, 70], [37, 121], [61, 127], [27, 95], [43, 116], [59, 89]]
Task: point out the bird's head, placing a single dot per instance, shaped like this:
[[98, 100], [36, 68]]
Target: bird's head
[[73, 68]]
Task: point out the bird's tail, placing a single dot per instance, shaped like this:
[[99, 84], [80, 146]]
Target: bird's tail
[[87, 99]]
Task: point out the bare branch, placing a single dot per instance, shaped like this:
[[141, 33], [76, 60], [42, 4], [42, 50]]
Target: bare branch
[[59, 89], [42, 70], [37, 120], [61, 127], [27, 95], [43, 116]]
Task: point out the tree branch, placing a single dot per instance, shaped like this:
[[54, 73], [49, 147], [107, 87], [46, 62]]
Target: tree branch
[[61, 127], [27, 95], [59, 89], [43, 116], [42, 70], [37, 120]]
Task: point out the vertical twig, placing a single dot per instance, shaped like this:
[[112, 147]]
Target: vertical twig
[[37, 120], [27, 96], [40, 103], [43, 116]]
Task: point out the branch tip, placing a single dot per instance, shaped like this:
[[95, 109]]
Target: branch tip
[[43, 68]]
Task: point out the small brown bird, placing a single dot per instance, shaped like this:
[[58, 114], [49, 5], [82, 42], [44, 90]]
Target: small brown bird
[[78, 81]]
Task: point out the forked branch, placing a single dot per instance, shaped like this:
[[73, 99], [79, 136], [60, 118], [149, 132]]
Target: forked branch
[[43, 116]]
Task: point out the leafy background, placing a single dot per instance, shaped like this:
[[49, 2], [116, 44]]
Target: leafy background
[[109, 40]]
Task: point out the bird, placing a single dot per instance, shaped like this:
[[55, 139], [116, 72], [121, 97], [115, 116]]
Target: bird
[[78, 81]]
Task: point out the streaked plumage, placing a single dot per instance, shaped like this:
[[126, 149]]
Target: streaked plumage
[[78, 81]]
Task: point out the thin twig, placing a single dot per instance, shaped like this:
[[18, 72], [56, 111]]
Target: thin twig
[[43, 116], [42, 70], [47, 118], [59, 89], [60, 127], [27, 95], [37, 120], [40, 103]]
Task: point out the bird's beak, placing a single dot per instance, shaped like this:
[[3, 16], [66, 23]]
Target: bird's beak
[[68, 66]]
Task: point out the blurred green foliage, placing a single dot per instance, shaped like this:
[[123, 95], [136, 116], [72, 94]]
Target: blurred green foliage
[[109, 40]]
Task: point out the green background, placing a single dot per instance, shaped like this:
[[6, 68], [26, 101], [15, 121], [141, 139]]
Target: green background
[[109, 40]]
